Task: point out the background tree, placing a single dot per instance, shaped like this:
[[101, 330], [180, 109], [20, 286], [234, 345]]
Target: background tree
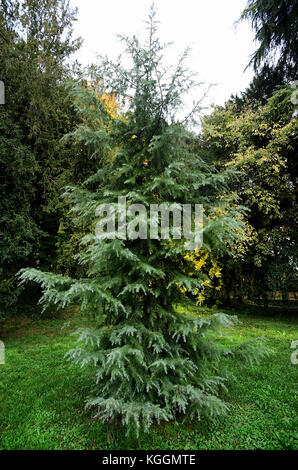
[[261, 143], [35, 47], [17, 225]]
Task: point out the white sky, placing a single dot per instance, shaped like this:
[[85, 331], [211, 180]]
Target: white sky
[[220, 51]]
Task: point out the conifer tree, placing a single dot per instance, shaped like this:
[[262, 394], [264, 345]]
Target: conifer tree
[[36, 45], [151, 361]]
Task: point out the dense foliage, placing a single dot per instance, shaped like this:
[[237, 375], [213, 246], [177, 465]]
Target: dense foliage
[[275, 23], [35, 44], [261, 142], [256, 133], [151, 360]]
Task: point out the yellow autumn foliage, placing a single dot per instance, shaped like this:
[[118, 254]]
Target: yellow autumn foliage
[[203, 261]]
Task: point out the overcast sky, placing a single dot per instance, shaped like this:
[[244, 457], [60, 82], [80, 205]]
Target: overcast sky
[[220, 50]]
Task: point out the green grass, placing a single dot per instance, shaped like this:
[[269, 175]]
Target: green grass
[[42, 396]]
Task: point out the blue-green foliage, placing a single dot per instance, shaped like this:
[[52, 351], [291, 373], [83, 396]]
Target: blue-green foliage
[[150, 361]]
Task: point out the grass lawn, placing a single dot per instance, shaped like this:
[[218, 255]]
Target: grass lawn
[[42, 396]]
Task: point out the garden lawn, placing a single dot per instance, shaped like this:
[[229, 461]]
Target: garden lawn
[[42, 396]]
